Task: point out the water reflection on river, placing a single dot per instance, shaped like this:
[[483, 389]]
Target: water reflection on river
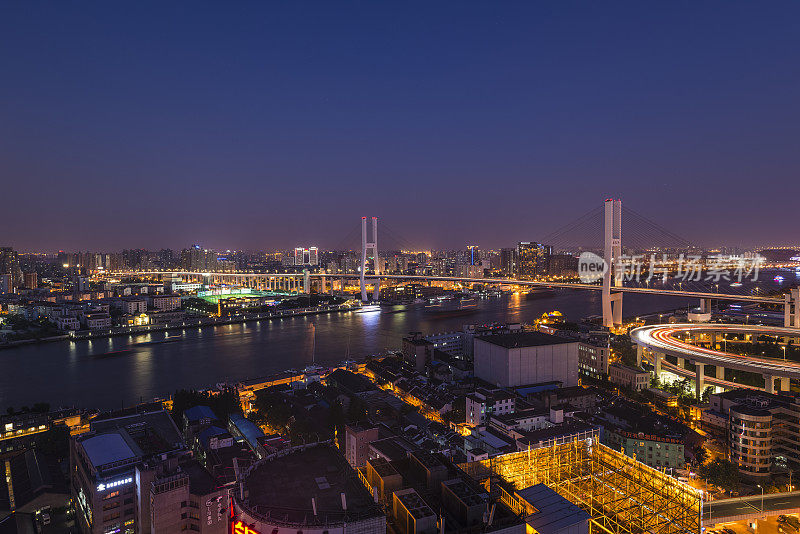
[[84, 374]]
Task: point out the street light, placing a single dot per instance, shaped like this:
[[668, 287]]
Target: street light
[[762, 498], [784, 352]]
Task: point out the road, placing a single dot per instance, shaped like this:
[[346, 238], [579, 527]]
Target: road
[[244, 278], [775, 504]]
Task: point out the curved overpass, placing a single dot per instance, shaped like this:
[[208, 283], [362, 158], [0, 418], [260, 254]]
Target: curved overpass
[[663, 340]]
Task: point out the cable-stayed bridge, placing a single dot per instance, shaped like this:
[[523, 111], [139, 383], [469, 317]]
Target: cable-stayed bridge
[[597, 236]]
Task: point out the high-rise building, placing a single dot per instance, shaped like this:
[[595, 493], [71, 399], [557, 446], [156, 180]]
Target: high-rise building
[[31, 280], [306, 256], [508, 261], [113, 467], [6, 285], [196, 259], [9, 264], [474, 254], [533, 259], [563, 264]]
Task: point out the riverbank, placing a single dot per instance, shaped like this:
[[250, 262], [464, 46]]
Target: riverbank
[[180, 325], [123, 369]]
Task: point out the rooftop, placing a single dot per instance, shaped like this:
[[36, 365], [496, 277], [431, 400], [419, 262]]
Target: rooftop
[[110, 448], [393, 448], [524, 339], [196, 413], [130, 437], [554, 512], [546, 434], [282, 488]]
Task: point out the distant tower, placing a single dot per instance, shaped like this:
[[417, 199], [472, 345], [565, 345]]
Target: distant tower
[[612, 303], [372, 247]]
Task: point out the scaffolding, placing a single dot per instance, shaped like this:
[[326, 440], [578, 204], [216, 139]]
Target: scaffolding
[[621, 495]]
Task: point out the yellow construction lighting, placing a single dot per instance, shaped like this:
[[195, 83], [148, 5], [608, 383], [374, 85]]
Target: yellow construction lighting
[[621, 495]]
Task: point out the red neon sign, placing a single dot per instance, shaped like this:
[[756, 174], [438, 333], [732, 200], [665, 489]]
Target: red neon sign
[[239, 527]]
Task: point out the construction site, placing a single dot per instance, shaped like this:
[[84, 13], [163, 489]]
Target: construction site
[[620, 495]]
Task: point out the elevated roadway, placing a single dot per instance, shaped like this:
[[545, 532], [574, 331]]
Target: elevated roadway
[[661, 340], [323, 277]]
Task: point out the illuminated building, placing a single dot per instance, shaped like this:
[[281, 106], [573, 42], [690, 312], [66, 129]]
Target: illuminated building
[[186, 498], [306, 256], [358, 437], [482, 403], [532, 259], [562, 265], [426, 493], [31, 280], [6, 284], [634, 378], [134, 305], [474, 254], [164, 302], [761, 428], [196, 259], [417, 350], [9, 264], [593, 358], [112, 467], [637, 431], [508, 261]]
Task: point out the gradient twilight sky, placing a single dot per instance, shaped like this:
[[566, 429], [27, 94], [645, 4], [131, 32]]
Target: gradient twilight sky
[[269, 124]]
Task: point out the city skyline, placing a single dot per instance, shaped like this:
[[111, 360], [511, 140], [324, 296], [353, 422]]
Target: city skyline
[[272, 125], [452, 267]]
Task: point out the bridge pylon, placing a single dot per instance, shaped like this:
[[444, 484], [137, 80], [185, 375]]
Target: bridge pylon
[[369, 247], [791, 309], [612, 302]]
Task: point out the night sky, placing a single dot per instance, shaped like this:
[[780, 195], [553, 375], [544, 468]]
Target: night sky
[[266, 125]]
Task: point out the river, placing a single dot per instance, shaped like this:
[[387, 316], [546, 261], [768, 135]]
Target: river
[[83, 374]]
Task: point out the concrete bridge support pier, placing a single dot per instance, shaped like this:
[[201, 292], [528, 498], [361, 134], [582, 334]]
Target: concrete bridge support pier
[[784, 384], [700, 379], [769, 383]]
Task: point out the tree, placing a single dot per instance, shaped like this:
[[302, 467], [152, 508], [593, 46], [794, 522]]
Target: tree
[[722, 473], [700, 454], [655, 382]]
